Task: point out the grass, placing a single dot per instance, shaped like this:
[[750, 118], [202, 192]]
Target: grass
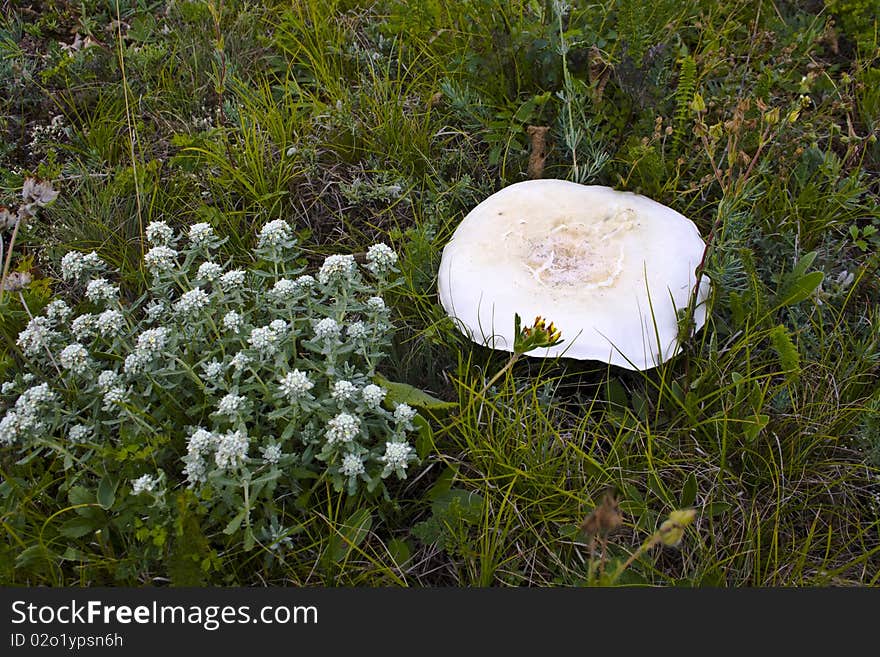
[[387, 120]]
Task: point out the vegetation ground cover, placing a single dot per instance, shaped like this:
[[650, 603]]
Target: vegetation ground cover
[[360, 123]]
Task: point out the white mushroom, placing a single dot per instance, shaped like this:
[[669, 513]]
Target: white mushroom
[[610, 269]]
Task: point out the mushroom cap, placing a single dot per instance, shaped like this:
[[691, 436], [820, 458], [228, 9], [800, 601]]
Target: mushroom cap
[[610, 269]]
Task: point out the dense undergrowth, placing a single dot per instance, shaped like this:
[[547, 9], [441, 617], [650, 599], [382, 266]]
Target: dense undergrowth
[[368, 122]]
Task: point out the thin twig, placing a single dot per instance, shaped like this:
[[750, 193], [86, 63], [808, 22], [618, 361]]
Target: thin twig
[[510, 363], [131, 132], [9, 257]]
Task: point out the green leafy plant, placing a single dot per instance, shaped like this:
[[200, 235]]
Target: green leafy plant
[[245, 385], [865, 237], [455, 515]]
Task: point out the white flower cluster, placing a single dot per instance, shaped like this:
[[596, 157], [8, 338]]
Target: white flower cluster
[[343, 428], [75, 357], [100, 289], [136, 362], [265, 339], [231, 405], [58, 311], [143, 484], [343, 391], [397, 456], [337, 268], [110, 323], [150, 343], [36, 336], [190, 303], [74, 265], [295, 385], [327, 329], [201, 234], [200, 444], [160, 259], [231, 449], [26, 417], [380, 259], [352, 465], [159, 233], [84, 326], [209, 271], [275, 233], [232, 321], [79, 433], [240, 361], [232, 279], [304, 284], [271, 453], [213, 371], [373, 396], [9, 428], [284, 290], [201, 441], [114, 396], [107, 379], [357, 330], [404, 414]]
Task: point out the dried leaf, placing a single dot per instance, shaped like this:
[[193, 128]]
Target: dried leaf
[[605, 518]]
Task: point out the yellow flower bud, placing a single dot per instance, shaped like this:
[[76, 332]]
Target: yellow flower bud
[[672, 530]]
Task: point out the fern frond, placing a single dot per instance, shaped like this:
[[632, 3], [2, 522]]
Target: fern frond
[[786, 351], [684, 94], [631, 21]]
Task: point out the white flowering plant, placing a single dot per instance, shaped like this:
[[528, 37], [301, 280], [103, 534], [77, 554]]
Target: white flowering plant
[[247, 386]]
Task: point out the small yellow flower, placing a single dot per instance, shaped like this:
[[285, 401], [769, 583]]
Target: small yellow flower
[[672, 530], [539, 334], [772, 117]]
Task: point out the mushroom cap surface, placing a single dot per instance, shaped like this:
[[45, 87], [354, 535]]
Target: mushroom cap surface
[[610, 269]]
